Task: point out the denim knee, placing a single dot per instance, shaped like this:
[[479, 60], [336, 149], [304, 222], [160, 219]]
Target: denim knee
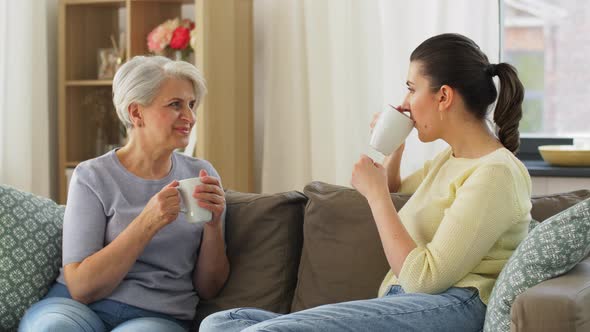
[[222, 321], [235, 319], [213, 321], [149, 324], [60, 314]]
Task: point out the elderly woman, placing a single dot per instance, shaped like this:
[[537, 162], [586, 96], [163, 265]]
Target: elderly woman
[[131, 262]]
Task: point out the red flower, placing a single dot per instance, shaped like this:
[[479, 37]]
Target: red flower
[[180, 38], [188, 24]]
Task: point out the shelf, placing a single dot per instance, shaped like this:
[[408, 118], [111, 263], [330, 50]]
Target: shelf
[[119, 3], [541, 168], [89, 83], [88, 27], [88, 122], [167, 1], [91, 120]]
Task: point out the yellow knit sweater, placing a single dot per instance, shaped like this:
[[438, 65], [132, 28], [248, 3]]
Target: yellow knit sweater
[[466, 216]]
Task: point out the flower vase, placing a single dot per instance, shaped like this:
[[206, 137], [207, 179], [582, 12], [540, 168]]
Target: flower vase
[[182, 55], [178, 56]]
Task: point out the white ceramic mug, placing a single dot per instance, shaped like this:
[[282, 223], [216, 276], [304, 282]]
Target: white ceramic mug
[[391, 130], [194, 213]]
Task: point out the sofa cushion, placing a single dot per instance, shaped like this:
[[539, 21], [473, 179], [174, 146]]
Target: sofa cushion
[[551, 249], [533, 224], [342, 257], [264, 239], [30, 251], [545, 206]]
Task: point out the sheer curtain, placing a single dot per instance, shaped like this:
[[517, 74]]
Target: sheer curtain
[[27, 101], [324, 67]]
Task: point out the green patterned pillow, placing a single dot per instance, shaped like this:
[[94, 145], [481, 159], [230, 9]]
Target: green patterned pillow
[[554, 247], [533, 224], [30, 251]]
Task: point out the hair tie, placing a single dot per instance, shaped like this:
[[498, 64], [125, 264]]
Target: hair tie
[[492, 69]]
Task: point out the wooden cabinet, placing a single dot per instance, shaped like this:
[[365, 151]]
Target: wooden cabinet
[[224, 54]]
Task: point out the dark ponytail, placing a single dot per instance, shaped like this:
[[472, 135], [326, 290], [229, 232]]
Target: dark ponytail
[[508, 110], [455, 60]]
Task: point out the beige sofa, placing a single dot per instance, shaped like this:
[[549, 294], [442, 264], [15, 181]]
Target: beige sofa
[[288, 252], [292, 251]]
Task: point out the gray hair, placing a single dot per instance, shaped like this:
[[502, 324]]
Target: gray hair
[[140, 78]]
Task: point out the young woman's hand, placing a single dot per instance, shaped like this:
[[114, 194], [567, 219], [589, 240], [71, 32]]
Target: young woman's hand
[[210, 196], [369, 178]]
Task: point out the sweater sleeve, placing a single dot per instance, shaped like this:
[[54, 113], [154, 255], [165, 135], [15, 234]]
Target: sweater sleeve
[[84, 221], [485, 206]]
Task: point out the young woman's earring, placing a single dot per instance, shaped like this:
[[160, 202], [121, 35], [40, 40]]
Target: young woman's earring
[[440, 113]]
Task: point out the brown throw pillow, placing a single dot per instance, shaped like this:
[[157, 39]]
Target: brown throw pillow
[[264, 239], [546, 206], [342, 257]]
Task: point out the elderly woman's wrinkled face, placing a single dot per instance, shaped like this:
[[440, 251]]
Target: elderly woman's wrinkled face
[[170, 117]]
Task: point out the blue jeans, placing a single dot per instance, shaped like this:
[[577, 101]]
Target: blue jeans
[[58, 312], [457, 309]]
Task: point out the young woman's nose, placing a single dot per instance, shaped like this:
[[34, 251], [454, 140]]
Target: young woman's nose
[[406, 103]]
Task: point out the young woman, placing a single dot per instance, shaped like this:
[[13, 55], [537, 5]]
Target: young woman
[[469, 210], [131, 262]]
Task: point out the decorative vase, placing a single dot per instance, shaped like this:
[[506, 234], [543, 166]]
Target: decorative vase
[[178, 55], [181, 55]]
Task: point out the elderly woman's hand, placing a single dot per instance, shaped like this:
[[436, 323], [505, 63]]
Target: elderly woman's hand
[[210, 196], [163, 207]]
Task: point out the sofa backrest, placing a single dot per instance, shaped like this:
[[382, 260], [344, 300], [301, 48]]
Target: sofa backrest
[[313, 248], [264, 235], [545, 206], [342, 257]]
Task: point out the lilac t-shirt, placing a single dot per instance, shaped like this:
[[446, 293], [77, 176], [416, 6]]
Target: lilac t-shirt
[[103, 199]]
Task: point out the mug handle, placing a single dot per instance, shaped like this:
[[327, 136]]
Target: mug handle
[[182, 204]]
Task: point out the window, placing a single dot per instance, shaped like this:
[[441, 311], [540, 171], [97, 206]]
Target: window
[[548, 42]]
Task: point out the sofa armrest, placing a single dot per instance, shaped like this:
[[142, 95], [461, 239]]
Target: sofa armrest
[[558, 304]]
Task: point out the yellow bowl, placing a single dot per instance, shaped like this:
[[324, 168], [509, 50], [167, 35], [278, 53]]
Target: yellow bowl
[[565, 155]]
